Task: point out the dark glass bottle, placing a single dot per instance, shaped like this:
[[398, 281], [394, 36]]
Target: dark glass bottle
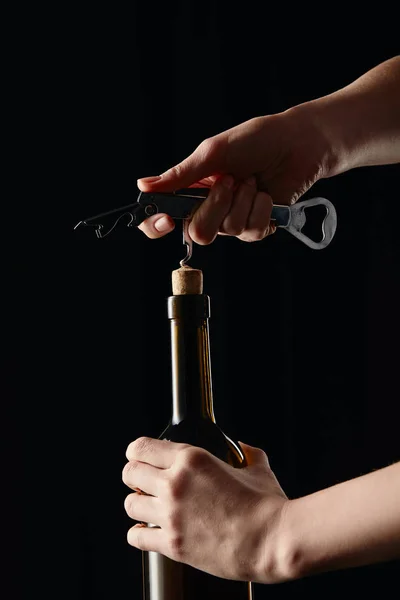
[[192, 422]]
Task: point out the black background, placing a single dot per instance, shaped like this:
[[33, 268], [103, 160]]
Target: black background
[[304, 343]]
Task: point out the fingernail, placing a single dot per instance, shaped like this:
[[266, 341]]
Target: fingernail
[[250, 180], [163, 225], [228, 181], [150, 179]]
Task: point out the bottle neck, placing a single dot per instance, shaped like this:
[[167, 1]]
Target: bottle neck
[[190, 353]]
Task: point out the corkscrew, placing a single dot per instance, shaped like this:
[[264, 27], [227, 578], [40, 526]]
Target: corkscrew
[[183, 203]]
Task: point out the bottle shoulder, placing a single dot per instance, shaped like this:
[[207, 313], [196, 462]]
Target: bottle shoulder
[[206, 434]]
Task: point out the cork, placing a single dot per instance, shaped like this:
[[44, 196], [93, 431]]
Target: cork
[[187, 281]]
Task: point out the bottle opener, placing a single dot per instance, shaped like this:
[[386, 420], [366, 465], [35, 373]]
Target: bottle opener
[[183, 203]]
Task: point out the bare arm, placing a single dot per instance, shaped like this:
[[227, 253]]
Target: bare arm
[[351, 524], [361, 122]]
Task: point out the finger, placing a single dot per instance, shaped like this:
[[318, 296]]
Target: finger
[[206, 182], [236, 219], [258, 223], [147, 538], [142, 508], [210, 215], [159, 453], [146, 478], [254, 456], [157, 226], [206, 160]]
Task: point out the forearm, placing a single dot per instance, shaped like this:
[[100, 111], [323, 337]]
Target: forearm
[[351, 524], [360, 122]]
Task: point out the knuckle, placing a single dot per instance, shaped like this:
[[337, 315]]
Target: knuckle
[[256, 121], [261, 455], [200, 237], [138, 446], [177, 484], [232, 227], [176, 547], [193, 457], [259, 452], [173, 521], [198, 234], [129, 504], [265, 457], [177, 170], [265, 198], [190, 458], [128, 469], [207, 148]]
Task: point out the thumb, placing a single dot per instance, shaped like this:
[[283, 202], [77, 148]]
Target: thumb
[[254, 456], [203, 162]]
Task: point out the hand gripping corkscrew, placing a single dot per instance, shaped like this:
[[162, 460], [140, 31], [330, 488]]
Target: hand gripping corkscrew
[[183, 203]]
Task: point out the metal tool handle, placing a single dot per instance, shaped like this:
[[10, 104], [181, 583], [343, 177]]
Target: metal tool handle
[[293, 218], [182, 204]]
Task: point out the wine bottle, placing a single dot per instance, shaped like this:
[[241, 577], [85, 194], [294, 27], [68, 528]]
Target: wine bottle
[[192, 422]]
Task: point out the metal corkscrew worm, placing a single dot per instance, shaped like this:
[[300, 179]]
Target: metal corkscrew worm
[[183, 203], [188, 242]]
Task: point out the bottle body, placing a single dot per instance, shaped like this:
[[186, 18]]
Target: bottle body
[[192, 422]]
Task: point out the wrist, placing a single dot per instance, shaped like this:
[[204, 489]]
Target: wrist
[[337, 118], [291, 557], [321, 126], [281, 557], [306, 131]]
